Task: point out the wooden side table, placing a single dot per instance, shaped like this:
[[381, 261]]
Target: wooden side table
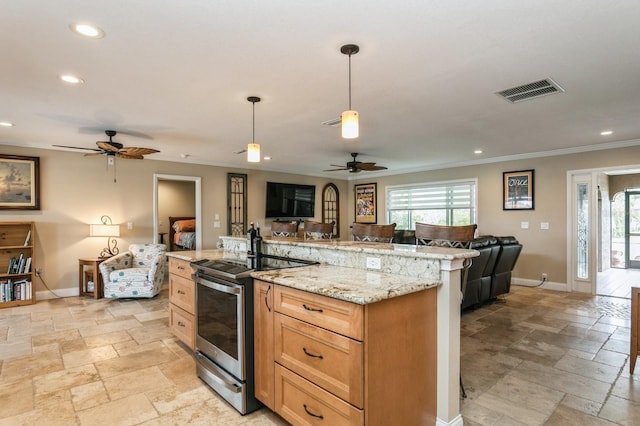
[[89, 271], [635, 324]]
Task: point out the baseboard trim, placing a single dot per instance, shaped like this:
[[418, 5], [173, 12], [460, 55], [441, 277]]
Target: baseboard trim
[[60, 292], [457, 421], [549, 285]]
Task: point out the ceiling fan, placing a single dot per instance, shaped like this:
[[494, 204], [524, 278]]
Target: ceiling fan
[[115, 149], [357, 166]]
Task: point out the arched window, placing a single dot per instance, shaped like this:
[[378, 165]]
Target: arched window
[[331, 207]]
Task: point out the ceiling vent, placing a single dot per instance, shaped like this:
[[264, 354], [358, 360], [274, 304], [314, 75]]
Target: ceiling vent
[[531, 90]]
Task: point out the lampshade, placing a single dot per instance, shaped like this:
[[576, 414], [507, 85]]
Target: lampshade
[[104, 230], [253, 149], [253, 153], [350, 129]]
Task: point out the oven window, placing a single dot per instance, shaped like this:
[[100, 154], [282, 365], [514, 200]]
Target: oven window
[[218, 319]]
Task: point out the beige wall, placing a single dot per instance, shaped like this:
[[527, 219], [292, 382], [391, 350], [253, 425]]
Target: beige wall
[[78, 190], [543, 251]]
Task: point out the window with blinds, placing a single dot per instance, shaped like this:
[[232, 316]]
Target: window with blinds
[[450, 203]]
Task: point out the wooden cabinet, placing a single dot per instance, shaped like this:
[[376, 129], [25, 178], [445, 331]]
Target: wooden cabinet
[[182, 301], [263, 343], [635, 325], [17, 264], [345, 363]]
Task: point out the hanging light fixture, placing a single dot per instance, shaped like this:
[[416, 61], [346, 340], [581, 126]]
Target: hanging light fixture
[[253, 149], [350, 127]]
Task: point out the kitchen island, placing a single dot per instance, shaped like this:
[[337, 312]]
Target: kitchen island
[[406, 272]]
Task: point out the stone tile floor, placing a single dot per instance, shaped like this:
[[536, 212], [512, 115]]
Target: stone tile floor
[[536, 357]]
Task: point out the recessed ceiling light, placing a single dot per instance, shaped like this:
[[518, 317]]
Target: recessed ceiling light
[[606, 132], [266, 158], [72, 79], [87, 30], [477, 151], [6, 124]]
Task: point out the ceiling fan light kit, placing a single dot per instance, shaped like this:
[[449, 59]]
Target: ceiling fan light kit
[[350, 122], [253, 149]]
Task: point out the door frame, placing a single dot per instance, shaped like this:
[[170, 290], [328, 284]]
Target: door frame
[[198, 205], [590, 176]]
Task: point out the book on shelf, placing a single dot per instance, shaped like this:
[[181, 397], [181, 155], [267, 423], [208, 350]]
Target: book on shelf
[[26, 240], [27, 265], [15, 290], [11, 262]]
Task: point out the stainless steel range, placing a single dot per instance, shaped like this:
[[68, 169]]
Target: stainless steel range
[[224, 326]]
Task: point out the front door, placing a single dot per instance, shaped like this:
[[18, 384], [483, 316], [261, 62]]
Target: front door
[[632, 229]]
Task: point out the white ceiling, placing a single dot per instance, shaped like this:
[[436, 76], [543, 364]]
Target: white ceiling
[[175, 75]]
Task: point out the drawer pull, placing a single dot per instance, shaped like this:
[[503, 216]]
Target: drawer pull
[[181, 268], [311, 309], [266, 301], [319, 416], [310, 354], [181, 324], [181, 292]]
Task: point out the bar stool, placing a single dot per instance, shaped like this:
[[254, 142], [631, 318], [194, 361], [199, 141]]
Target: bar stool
[[373, 233], [318, 230], [284, 229]]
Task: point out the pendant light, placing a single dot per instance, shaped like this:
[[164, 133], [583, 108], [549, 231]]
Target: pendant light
[[350, 128], [253, 149]]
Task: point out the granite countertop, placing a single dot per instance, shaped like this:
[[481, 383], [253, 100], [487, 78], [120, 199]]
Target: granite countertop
[[350, 284], [193, 255]]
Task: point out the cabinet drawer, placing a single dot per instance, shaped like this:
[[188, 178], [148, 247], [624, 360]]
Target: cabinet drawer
[[180, 267], [336, 315], [329, 360], [303, 403], [182, 324], [182, 292]]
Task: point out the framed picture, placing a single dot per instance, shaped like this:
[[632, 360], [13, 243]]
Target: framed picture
[[366, 203], [517, 190], [19, 182]]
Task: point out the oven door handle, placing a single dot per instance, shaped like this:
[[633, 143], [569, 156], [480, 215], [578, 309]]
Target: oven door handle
[[220, 380], [220, 287]]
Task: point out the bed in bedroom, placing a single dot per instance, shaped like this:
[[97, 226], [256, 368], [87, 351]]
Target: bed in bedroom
[[182, 233]]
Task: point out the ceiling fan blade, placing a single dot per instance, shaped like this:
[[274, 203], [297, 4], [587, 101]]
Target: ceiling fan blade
[[335, 170], [137, 151], [129, 156], [76, 147], [108, 146], [365, 166], [93, 154]]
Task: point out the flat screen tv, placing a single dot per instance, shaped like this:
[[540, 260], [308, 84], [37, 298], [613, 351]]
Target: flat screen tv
[[289, 200]]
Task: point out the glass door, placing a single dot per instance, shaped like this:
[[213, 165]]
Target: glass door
[[632, 229]]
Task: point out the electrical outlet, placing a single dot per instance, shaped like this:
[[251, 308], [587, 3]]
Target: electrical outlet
[[38, 271], [544, 276], [373, 263]]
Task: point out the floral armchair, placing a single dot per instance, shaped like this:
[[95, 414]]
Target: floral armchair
[[136, 273]]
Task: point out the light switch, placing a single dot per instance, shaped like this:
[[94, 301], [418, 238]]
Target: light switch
[[129, 225], [524, 225], [216, 224], [216, 217], [544, 225]]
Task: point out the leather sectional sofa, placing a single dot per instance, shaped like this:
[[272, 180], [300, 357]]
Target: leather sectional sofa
[[490, 273]]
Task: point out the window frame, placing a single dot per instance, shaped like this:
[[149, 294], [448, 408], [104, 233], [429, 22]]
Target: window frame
[[447, 185]]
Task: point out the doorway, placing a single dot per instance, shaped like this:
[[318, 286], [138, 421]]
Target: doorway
[[591, 242], [157, 179]]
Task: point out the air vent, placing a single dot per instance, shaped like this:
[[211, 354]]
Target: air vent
[[531, 90]]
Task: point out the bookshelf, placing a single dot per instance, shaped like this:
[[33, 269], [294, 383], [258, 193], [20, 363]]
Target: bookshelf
[[17, 266]]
